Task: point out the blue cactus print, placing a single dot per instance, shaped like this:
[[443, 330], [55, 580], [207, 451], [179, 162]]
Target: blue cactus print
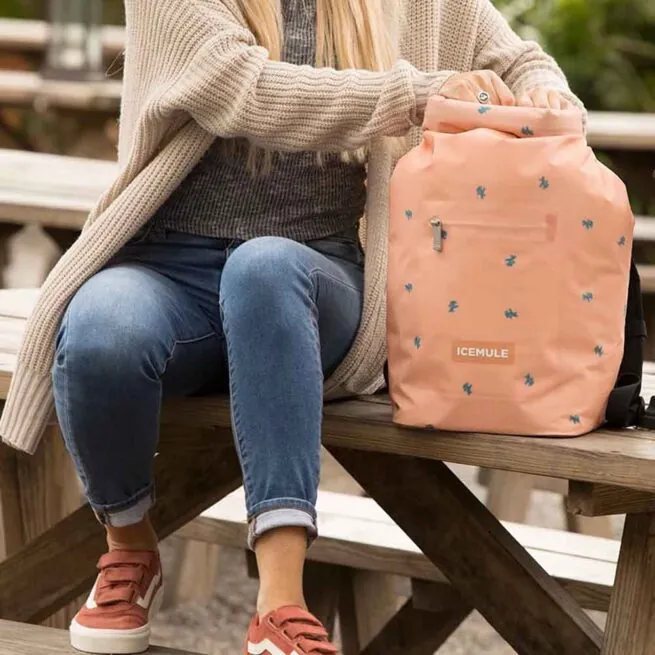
[[622, 241], [527, 131], [599, 351], [417, 343], [544, 183], [468, 388], [587, 224], [529, 380], [587, 296], [482, 192], [484, 109], [409, 287], [409, 214], [575, 419], [510, 261], [511, 314], [453, 306]]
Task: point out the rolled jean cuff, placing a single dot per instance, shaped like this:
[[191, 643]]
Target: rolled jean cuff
[[127, 513], [283, 513]]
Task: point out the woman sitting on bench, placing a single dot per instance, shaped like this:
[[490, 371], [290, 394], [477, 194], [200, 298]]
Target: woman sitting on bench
[[226, 259]]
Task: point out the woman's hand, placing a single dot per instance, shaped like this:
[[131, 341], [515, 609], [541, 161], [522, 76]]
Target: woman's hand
[[545, 98], [484, 87]]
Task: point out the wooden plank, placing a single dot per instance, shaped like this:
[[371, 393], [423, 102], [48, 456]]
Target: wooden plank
[[21, 35], [193, 470], [22, 639], [29, 88], [52, 190], [644, 228], [603, 500], [631, 621], [623, 458], [623, 131], [480, 558]]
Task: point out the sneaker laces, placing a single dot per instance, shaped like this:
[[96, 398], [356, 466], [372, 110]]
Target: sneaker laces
[[121, 575], [305, 630]]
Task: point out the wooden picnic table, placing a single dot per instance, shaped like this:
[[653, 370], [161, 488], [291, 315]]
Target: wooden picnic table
[[405, 472]]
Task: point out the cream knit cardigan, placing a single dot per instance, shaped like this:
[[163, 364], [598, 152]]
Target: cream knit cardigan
[[194, 72]]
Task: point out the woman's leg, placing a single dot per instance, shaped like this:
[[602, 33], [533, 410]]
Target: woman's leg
[[128, 335], [126, 330], [289, 314]]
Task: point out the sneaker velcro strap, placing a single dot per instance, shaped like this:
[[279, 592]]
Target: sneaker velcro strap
[[112, 595]]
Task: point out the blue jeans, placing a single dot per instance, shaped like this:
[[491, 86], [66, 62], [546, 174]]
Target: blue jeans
[[175, 315]]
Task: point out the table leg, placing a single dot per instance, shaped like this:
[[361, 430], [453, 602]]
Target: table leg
[[631, 620], [11, 520], [49, 491], [488, 567]]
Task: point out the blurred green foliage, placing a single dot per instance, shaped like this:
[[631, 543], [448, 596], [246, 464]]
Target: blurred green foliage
[[606, 47]]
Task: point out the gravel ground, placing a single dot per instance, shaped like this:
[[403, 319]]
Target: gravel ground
[[219, 628]]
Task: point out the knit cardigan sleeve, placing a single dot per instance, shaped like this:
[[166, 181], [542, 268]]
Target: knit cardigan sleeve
[[233, 89], [523, 65]]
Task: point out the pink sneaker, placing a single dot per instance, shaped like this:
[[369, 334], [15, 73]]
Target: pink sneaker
[[288, 631], [125, 597]]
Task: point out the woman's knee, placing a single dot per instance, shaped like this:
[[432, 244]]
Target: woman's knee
[[106, 325], [266, 272]]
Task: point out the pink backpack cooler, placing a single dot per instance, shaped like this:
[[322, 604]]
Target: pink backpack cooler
[[509, 264]]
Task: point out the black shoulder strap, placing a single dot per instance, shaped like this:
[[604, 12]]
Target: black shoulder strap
[[626, 406]]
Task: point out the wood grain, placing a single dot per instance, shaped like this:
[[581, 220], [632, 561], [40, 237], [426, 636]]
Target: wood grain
[[193, 471], [603, 500], [486, 565], [12, 537], [22, 639], [49, 491], [631, 620]]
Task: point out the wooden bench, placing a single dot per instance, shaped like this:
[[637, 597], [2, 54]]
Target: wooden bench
[[21, 639], [57, 192], [20, 88], [357, 538], [403, 471]]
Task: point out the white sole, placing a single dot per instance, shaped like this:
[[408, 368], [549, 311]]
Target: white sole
[[115, 642]]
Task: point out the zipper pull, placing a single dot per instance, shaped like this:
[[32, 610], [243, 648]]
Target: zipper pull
[[437, 234]]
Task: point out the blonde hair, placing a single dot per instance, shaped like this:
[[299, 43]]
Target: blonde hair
[[349, 34]]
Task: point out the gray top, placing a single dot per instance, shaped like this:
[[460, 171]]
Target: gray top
[[298, 198]]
